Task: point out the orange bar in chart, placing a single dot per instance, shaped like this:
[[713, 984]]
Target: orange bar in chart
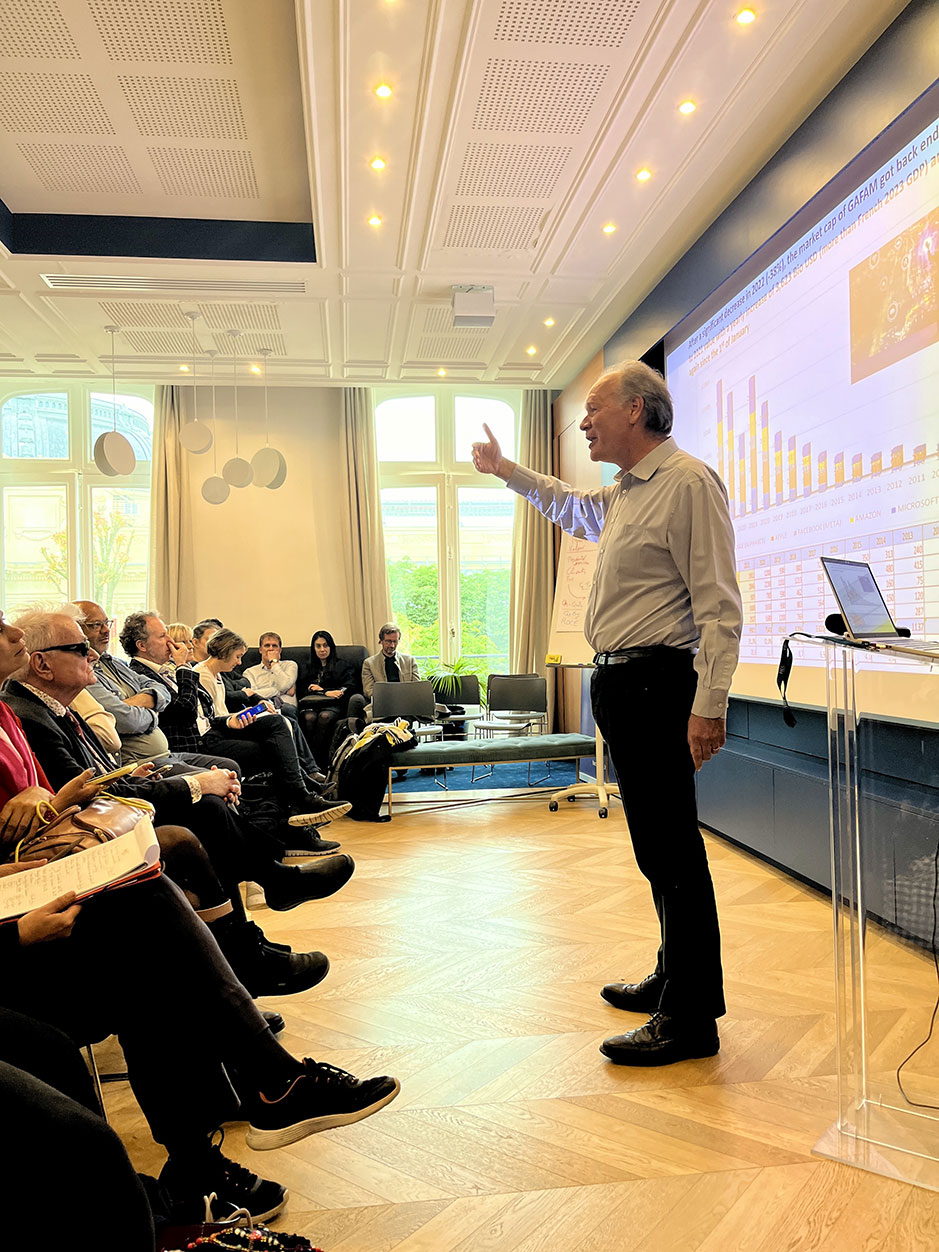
[[839, 468], [742, 472], [877, 462], [822, 471], [857, 466], [793, 468], [896, 456], [778, 464], [764, 450], [720, 429], [807, 469], [919, 453]]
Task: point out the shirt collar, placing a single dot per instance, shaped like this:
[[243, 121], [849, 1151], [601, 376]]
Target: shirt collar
[[50, 702], [645, 468]]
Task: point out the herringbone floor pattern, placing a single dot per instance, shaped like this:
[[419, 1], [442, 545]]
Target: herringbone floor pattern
[[467, 954]]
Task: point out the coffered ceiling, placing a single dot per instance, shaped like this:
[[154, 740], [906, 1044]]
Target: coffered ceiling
[[146, 143]]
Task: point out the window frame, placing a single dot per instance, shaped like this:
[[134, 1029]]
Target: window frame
[[77, 472], [446, 475]]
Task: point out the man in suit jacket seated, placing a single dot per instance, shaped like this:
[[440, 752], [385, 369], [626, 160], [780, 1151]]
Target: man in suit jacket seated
[[388, 665]]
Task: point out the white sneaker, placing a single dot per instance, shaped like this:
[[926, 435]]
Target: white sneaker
[[254, 896]]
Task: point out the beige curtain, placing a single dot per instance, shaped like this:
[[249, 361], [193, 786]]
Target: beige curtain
[[532, 593], [171, 567], [369, 596]]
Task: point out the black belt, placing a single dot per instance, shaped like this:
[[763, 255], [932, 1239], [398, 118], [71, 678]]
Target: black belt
[[622, 655]]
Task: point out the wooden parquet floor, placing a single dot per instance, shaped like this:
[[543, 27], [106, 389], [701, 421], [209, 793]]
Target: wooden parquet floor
[[467, 954]]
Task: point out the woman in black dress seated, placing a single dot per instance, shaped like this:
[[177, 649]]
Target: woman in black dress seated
[[334, 691]]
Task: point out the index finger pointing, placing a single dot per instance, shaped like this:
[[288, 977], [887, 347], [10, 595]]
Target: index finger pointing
[[492, 438]]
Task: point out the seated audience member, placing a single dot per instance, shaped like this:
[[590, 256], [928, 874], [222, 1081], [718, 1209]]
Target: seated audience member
[[334, 691], [388, 665], [202, 632], [273, 678], [202, 838], [180, 633], [134, 701], [136, 962], [191, 724], [48, 1098], [225, 650], [242, 693]]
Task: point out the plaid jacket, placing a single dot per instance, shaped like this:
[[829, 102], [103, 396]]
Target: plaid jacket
[[178, 719]]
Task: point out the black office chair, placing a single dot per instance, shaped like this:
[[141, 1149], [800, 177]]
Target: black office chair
[[515, 703]]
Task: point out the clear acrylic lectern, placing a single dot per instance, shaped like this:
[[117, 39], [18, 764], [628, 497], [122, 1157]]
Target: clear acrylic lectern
[[877, 976]]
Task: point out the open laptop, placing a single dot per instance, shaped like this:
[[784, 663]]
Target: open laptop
[[866, 616]]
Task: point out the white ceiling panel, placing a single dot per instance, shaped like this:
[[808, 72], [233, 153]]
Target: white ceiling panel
[[513, 133]]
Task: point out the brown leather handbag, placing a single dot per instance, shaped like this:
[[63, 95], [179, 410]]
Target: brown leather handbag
[[76, 829]]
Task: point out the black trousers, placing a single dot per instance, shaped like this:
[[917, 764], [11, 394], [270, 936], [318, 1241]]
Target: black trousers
[[63, 1162], [263, 746], [642, 708], [141, 965]]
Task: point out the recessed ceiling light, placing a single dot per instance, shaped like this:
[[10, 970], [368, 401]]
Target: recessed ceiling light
[[383, 91], [687, 106], [184, 369], [374, 220], [255, 369], [441, 373], [549, 321], [531, 350], [609, 228], [378, 164], [643, 175], [746, 16]]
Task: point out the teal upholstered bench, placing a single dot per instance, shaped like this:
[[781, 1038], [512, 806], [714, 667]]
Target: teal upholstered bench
[[514, 748]]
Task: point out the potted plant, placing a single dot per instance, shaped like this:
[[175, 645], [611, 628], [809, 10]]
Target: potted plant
[[446, 676]]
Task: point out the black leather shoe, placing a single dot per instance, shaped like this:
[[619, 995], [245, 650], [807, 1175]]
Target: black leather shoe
[[287, 886], [275, 1023], [663, 1041], [634, 997]]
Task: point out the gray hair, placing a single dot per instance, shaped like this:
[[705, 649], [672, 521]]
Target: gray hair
[[135, 630], [389, 628], [637, 380], [39, 625]]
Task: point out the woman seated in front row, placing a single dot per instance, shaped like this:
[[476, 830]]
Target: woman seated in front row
[[334, 691]]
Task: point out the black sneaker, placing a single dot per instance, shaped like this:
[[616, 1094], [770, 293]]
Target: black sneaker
[[318, 1099], [312, 811], [217, 1188], [306, 842]]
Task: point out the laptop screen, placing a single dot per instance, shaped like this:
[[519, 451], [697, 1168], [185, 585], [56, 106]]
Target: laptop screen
[[862, 606]]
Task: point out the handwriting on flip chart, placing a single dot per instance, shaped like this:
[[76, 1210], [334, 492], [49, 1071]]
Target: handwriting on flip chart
[[575, 580]]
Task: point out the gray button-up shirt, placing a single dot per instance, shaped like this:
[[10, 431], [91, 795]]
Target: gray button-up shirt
[[666, 572]]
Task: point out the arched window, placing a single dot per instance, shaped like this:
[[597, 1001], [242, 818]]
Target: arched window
[[69, 531], [448, 531]]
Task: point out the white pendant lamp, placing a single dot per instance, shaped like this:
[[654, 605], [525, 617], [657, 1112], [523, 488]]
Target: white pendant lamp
[[195, 436], [269, 465], [215, 490], [237, 472], [113, 453]]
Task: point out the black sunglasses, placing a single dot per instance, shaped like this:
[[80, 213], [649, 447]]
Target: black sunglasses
[[82, 648]]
